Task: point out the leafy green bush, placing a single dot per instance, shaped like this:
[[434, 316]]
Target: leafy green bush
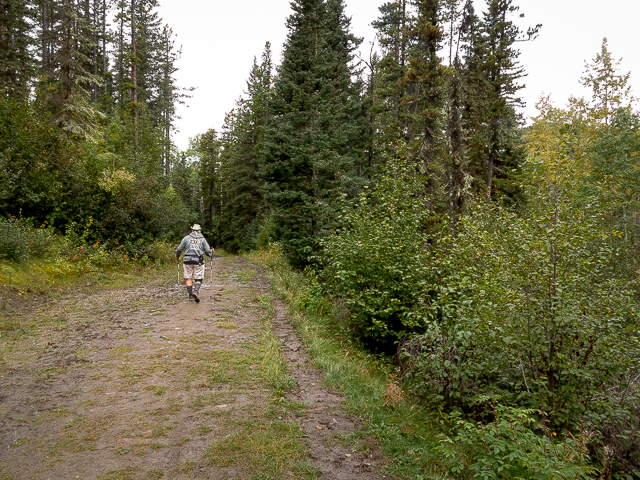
[[19, 241], [538, 307], [378, 263], [507, 448], [531, 305]]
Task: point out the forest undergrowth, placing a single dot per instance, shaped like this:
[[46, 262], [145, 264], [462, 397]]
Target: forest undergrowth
[[449, 403], [39, 260]]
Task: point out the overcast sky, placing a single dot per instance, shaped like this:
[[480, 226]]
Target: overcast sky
[[220, 38]]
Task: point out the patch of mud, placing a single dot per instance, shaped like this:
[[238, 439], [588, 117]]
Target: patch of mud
[[326, 422]]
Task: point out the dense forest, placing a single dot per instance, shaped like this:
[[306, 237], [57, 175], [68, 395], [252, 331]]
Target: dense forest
[[86, 116], [494, 262]]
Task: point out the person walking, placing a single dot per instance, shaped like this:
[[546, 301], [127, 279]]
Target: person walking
[[195, 247]]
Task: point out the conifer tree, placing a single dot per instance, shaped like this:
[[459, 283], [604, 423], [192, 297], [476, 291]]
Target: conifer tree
[[66, 74], [17, 67], [316, 113], [243, 160], [388, 107], [207, 148], [610, 90], [501, 72], [425, 78]]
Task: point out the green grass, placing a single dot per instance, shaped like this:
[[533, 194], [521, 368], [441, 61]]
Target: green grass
[[247, 275], [264, 448], [226, 325], [273, 366]]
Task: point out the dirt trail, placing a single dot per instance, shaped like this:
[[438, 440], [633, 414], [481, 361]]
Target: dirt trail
[[136, 383]]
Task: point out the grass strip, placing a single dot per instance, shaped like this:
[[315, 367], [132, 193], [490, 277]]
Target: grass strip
[[405, 430]]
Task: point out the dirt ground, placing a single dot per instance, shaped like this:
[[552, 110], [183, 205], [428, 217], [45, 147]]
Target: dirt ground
[[138, 383]]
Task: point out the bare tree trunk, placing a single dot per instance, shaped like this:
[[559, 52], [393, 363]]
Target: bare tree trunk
[[134, 79], [104, 44], [45, 35]]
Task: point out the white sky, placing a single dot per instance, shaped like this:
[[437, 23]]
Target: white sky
[[220, 38]]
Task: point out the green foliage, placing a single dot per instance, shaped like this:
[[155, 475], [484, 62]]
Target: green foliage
[[533, 308], [36, 259], [243, 157], [406, 433], [610, 90], [378, 261], [16, 65], [36, 163], [312, 138], [19, 242], [615, 159], [508, 448]]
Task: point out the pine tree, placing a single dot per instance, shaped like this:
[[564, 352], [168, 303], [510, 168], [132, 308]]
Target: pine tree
[[17, 67], [316, 113], [245, 202], [67, 77], [610, 90]]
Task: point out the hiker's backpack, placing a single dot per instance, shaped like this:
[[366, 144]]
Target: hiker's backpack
[[193, 254]]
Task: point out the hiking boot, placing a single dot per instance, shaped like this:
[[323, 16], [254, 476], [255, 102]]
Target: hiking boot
[[191, 297], [190, 292], [196, 291]]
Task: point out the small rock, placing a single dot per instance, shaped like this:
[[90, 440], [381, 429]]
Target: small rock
[[241, 398]]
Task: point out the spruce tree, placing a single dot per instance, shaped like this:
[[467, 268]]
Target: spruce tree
[[17, 67], [389, 107], [207, 147], [316, 113], [245, 201], [501, 72], [425, 79], [66, 75]]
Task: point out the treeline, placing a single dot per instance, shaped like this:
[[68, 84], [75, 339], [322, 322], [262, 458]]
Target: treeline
[[87, 108], [496, 263], [321, 127]]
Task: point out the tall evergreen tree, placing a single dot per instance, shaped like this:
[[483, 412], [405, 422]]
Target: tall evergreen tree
[[316, 113], [17, 66], [501, 69], [610, 90], [425, 79], [207, 148], [66, 75], [245, 202], [388, 107]]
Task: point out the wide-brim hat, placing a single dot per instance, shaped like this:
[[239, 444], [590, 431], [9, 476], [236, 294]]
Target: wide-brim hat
[[196, 227]]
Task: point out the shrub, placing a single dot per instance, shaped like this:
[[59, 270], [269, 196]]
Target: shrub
[[378, 262], [507, 448], [530, 307], [19, 241]]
